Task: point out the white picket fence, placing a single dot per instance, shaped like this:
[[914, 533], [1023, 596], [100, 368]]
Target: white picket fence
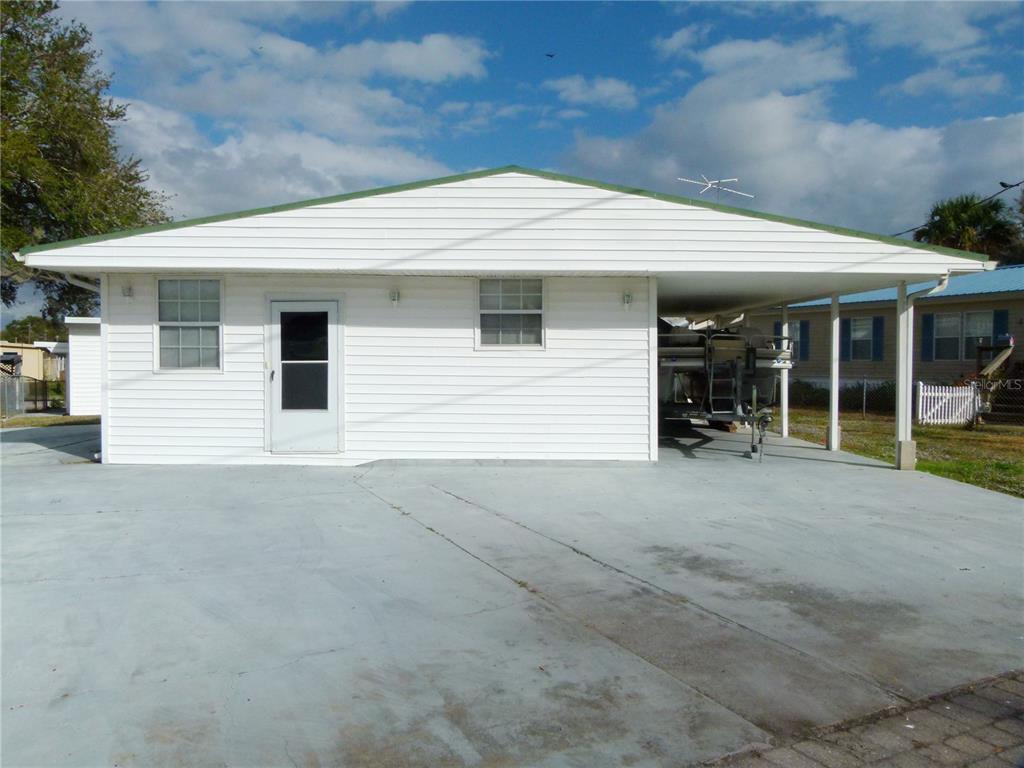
[[947, 405]]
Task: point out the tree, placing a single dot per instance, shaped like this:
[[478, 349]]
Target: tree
[[1015, 254], [62, 174], [33, 328], [971, 224]]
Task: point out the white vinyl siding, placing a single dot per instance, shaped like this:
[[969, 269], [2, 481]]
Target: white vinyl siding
[[506, 223], [414, 383], [83, 374]]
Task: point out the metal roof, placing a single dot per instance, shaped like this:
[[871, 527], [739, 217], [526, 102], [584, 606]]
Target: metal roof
[[1007, 279]]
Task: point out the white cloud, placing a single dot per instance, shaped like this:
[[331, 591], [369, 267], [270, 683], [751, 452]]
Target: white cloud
[[763, 115], [931, 28], [433, 59], [941, 80], [571, 114], [259, 166], [599, 91], [757, 65], [680, 42], [341, 108], [481, 116]]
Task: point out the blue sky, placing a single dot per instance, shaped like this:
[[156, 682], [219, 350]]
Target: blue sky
[[858, 114]]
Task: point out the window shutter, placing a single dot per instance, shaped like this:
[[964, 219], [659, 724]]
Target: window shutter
[[1000, 325], [927, 338], [778, 328], [805, 340], [877, 337], [845, 338]]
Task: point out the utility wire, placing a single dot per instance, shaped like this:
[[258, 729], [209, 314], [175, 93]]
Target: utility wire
[[1005, 188]]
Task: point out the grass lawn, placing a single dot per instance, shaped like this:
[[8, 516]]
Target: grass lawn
[[990, 456], [47, 421]]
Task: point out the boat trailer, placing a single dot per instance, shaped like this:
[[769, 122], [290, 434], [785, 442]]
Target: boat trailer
[[722, 377]]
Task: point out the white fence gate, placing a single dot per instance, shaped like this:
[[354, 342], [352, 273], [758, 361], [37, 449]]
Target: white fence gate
[[947, 405]]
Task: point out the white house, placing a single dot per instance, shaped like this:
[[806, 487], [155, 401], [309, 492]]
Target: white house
[[507, 313], [83, 372]]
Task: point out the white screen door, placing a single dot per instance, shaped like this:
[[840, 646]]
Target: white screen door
[[304, 376]]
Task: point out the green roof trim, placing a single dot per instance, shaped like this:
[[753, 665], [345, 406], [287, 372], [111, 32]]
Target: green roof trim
[[494, 172]]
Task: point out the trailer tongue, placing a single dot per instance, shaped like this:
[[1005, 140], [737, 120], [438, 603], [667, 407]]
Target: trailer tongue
[[721, 377]]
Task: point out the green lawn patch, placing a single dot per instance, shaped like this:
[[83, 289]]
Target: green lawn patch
[[989, 456]]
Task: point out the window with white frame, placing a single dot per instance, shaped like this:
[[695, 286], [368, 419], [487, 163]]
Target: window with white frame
[[947, 336], [977, 332], [860, 338], [794, 338], [511, 312], [188, 320]]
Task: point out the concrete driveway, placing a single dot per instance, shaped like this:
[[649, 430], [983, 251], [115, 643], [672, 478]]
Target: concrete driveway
[[451, 614]]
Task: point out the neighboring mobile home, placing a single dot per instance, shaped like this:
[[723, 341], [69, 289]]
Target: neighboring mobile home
[[982, 308], [37, 359], [500, 314]]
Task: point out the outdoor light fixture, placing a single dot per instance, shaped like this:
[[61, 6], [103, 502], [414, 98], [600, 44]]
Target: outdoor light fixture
[[394, 296], [627, 299], [126, 290]]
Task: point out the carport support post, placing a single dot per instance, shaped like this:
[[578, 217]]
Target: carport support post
[[906, 449], [784, 403], [833, 377]]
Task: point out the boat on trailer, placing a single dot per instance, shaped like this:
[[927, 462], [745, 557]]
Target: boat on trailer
[[722, 377]]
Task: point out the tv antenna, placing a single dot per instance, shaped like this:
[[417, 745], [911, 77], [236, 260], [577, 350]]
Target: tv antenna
[[715, 184]]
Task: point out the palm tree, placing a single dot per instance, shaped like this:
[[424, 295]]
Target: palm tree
[[970, 224]]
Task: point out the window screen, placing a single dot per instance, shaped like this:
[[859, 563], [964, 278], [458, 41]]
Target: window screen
[[511, 312], [977, 332], [947, 336], [188, 318], [860, 338]]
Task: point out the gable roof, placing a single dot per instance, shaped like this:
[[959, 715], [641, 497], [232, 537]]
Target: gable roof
[[493, 172], [1008, 279]]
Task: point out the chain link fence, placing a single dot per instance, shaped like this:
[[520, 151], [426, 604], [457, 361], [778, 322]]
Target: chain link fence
[[1003, 401], [23, 394]]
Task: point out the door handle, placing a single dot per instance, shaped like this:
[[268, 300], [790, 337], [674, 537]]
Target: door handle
[[271, 374]]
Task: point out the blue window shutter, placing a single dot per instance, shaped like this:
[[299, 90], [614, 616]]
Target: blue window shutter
[[845, 338], [877, 337], [927, 338], [805, 340], [1000, 326], [778, 328]]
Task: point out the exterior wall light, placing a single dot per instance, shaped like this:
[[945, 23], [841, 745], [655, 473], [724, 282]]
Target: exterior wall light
[[627, 299], [394, 296]]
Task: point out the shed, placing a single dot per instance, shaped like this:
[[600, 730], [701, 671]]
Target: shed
[[508, 313], [83, 375]]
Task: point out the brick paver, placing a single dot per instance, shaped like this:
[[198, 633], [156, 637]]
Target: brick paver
[[979, 726]]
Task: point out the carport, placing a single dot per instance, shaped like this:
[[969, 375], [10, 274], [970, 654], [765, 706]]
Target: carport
[[773, 279]]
